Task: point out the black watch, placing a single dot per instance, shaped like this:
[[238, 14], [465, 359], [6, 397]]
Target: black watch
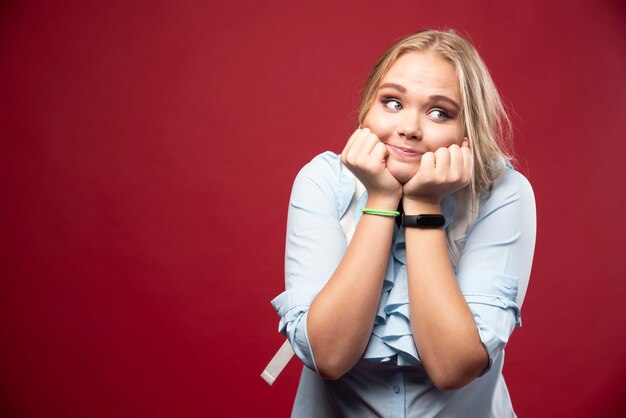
[[423, 221]]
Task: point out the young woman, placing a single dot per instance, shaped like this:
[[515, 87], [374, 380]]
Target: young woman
[[408, 256]]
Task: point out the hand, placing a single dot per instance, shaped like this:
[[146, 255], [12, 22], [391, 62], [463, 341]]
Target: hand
[[366, 156], [440, 174]]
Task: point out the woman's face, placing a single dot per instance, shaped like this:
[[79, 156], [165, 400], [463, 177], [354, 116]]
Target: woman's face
[[416, 110]]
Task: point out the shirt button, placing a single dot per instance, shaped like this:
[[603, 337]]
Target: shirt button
[[395, 389]]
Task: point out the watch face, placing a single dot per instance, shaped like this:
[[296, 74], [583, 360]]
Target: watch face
[[423, 221], [432, 221]]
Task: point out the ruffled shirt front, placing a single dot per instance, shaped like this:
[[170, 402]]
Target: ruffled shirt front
[[392, 336]]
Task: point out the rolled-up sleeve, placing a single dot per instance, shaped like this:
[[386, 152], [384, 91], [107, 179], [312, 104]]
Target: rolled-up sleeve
[[495, 264], [315, 245]]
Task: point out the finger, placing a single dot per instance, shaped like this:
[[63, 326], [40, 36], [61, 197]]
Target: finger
[[364, 143], [360, 151], [370, 142], [466, 152], [465, 143], [348, 145], [363, 157], [442, 161], [427, 164], [353, 144], [379, 152], [356, 137], [468, 164], [456, 162]]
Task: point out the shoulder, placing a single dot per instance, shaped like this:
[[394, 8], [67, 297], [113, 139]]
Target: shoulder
[[320, 175], [325, 165], [511, 186], [323, 180], [322, 172]]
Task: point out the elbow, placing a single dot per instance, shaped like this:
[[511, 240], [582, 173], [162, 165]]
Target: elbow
[[457, 375], [332, 370], [333, 359], [451, 382], [330, 374], [332, 364]]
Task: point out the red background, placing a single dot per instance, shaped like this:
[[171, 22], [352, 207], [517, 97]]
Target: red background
[[148, 150]]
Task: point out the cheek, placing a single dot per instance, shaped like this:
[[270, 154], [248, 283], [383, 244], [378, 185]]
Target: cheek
[[439, 138], [377, 124]]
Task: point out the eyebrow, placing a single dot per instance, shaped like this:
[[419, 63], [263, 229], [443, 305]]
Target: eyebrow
[[433, 97], [436, 97], [393, 86]]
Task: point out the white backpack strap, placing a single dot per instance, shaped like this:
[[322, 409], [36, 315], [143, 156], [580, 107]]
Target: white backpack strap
[[277, 363], [348, 224]]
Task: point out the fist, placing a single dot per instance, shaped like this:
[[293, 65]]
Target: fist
[[365, 155], [440, 174]]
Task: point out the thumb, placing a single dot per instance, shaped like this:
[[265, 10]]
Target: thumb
[[380, 151]]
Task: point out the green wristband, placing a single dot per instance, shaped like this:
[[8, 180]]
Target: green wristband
[[389, 213]]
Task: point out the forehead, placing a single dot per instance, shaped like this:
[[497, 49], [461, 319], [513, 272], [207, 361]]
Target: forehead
[[424, 72]]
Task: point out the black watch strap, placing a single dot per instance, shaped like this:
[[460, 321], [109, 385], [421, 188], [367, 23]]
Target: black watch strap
[[423, 221]]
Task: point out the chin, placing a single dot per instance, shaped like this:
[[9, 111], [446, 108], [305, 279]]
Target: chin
[[402, 172]]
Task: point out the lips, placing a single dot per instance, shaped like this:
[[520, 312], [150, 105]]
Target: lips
[[404, 152]]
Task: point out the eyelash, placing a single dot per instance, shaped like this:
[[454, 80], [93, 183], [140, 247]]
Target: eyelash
[[387, 100], [443, 112]]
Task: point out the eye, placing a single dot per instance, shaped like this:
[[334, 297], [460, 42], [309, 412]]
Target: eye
[[439, 114], [392, 103]]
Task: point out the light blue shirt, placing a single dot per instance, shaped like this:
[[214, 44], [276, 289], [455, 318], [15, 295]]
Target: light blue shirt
[[389, 381]]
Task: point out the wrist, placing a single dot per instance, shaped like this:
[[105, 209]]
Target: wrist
[[380, 202], [420, 207]]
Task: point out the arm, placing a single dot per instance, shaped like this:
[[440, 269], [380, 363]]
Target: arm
[[332, 293], [342, 315], [314, 247], [443, 327], [462, 323]]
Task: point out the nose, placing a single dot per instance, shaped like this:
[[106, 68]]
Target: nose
[[409, 126]]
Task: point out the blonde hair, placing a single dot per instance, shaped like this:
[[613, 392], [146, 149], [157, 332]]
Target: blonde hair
[[485, 122]]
